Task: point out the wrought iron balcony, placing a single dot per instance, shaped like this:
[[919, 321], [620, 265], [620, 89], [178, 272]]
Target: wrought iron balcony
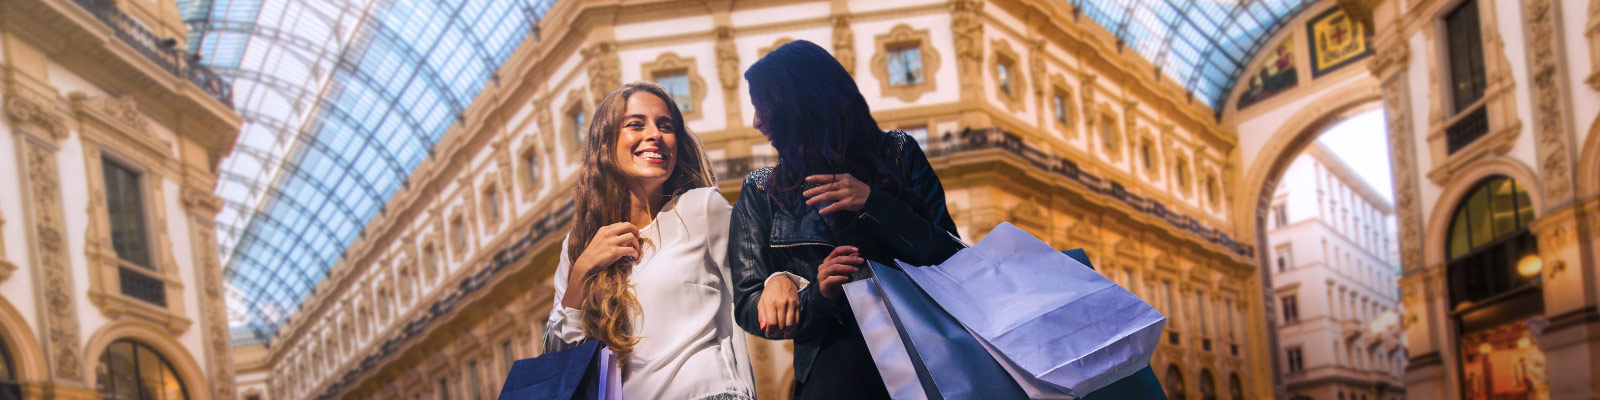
[[1467, 127], [161, 51]]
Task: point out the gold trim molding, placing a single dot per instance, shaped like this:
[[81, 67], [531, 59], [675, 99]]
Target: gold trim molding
[[903, 36]]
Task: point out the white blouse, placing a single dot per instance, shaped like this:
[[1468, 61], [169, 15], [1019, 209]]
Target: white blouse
[[689, 346]]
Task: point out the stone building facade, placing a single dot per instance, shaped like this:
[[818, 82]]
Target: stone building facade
[[109, 280], [451, 283]]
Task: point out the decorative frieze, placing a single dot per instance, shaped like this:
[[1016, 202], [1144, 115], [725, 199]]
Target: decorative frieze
[[1549, 101], [1402, 151], [24, 110], [60, 320]]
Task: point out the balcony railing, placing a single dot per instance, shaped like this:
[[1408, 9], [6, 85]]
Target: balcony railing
[[141, 286], [161, 51], [1467, 127]]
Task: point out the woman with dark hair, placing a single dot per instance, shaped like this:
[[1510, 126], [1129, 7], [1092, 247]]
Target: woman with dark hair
[[643, 270], [843, 192]]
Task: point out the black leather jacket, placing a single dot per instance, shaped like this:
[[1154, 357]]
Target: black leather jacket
[[765, 238]]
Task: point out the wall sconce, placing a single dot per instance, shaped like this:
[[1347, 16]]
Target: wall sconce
[[1530, 266]]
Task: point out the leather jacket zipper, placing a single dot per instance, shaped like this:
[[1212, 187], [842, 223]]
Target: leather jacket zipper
[[800, 244]]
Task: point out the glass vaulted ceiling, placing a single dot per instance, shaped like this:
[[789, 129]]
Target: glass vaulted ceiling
[[1202, 44], [340, 99]]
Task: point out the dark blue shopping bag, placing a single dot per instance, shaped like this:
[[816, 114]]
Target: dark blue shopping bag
[[568, 374], [1140, 385]]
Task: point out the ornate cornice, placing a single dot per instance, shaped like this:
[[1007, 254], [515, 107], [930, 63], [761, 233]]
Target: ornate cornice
[[27, 112]]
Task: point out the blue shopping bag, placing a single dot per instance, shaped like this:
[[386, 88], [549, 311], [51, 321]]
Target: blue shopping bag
[[920, 351], [1060, 330], [1142, 385], [573, 373]]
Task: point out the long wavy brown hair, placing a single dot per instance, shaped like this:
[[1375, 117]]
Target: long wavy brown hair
[[602, 199]]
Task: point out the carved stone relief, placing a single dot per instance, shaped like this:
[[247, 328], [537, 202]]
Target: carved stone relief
[[1397, 111], [967, 26], [1592, 31], [6, 267], [604, 70], [727, 59], [1549, 100], [24, 110], [844, 43], [215, 332], [50, 261]]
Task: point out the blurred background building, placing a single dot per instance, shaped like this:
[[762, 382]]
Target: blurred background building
[[1334, 277], [290, 199]]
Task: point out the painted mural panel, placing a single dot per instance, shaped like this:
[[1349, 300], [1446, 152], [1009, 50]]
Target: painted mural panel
[[1276, 74]]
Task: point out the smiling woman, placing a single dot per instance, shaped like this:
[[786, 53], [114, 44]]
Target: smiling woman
[[650, 231]]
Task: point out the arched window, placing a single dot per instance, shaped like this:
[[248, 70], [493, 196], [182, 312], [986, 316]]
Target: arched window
[[1488, 235], [9, 389], [1174, 383], [130, 370], [1208, 385], [1235, 387]]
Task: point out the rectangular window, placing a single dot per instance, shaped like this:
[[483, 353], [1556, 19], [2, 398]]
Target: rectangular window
[[1280, 214], [125, 208], [1108, 133], [677, 84], [491, 200], [444, 389], [1291, 310], [1144, 150], [1295, 360], [474, 388], [905, 65], [430, 261], [580, 125], [920, 133], [458, 229], [531, 167], [507, 357], [1465, 40], [1284, 260], [1200, 311], [1003, 77], [1059, 103]]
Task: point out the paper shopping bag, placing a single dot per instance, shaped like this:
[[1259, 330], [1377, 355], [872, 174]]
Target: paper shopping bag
[[1050, 317], [920, 351]]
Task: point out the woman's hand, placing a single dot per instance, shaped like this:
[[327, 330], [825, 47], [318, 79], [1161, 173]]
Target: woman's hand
[[847, 192], [609, 244], [835, 271], [779, 308]]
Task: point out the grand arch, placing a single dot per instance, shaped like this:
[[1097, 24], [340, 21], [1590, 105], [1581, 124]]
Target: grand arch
[[194, 377], [1255, 194], [26, 356], [1589, 163]]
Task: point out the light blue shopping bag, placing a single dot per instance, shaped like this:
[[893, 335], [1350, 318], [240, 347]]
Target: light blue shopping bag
[[1059, 328]]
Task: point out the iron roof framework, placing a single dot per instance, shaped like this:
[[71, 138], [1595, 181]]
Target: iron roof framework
[[1201, 44], [341, 100]]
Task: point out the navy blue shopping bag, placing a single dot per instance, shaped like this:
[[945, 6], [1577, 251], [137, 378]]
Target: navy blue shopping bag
[[1140, 385], [568, 374]]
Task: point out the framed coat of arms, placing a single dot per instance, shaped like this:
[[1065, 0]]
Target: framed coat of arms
[[1336, 41]]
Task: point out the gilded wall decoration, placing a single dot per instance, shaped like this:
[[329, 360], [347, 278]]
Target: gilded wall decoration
[[914, 80], [1276, 74], [1336, 41], [844, 43], [1549, 100], [50, 261], [1408, 210]]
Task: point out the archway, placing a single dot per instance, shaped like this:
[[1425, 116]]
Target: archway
[[26, 357], [157, 338], [1260, 181]]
